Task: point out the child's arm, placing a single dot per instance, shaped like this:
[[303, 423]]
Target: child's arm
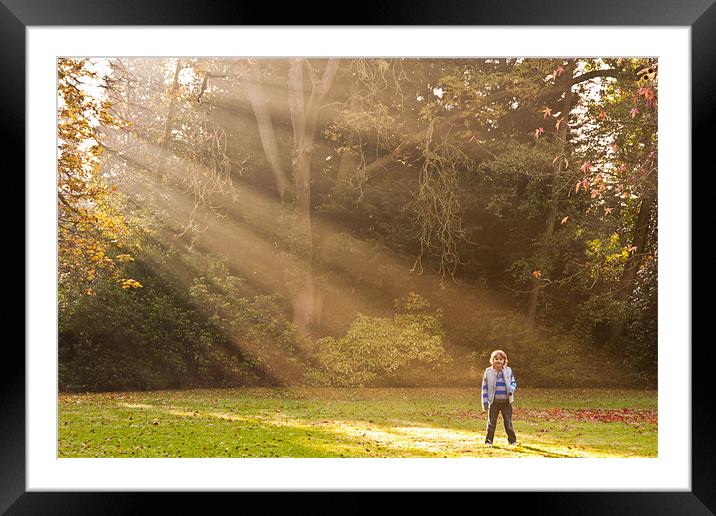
[[484, 391], [513, 384]]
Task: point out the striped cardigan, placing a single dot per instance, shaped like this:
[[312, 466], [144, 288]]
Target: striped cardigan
[[489, 381]]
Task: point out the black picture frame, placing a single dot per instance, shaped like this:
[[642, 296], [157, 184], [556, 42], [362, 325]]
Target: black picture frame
[[699, 15]]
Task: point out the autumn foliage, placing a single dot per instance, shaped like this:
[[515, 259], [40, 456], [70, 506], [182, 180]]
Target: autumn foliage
[[89, 228]]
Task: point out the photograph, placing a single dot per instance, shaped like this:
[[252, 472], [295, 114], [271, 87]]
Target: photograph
[[346, 259], [357, 257]]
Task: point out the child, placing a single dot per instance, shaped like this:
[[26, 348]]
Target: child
[[498, 389]]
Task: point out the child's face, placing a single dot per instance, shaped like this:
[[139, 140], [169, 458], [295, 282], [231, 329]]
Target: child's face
[[498, 362]]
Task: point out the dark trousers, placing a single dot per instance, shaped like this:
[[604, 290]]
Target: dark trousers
[[496, 407]]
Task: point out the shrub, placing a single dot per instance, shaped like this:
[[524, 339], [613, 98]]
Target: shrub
[[549, 358], [213, 333], [375, 349]]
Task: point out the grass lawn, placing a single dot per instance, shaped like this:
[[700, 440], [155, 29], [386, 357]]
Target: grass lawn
[[324, 422]]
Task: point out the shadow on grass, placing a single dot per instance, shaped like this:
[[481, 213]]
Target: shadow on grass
[[170, 431], [290, 424], [546, 453]]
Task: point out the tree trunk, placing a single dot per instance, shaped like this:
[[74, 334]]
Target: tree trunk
[[631, 268], [266, 131], [307, 302], [554, 198], [168, 124], [304, 299]]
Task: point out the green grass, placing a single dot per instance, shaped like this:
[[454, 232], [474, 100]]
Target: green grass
[[323, 422]]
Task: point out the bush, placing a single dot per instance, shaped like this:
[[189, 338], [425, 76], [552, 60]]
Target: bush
[[548, 358], [213, 333], [380, 349]]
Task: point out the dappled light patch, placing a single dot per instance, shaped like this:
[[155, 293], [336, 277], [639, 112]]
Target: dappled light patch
[[136, 405], [313, 422]]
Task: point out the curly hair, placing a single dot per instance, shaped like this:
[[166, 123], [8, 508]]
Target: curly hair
[[498, 352]]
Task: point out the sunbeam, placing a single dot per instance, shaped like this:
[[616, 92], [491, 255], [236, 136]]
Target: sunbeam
[[356, 221]]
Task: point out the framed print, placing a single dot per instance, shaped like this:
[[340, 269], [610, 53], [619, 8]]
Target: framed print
[[200, 51]]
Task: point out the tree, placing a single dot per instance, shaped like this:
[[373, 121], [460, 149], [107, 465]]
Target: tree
[[624, 146], [304, 105], [91, 228]]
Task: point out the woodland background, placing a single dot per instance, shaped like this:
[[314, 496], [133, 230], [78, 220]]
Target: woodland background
[[356, 222]]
